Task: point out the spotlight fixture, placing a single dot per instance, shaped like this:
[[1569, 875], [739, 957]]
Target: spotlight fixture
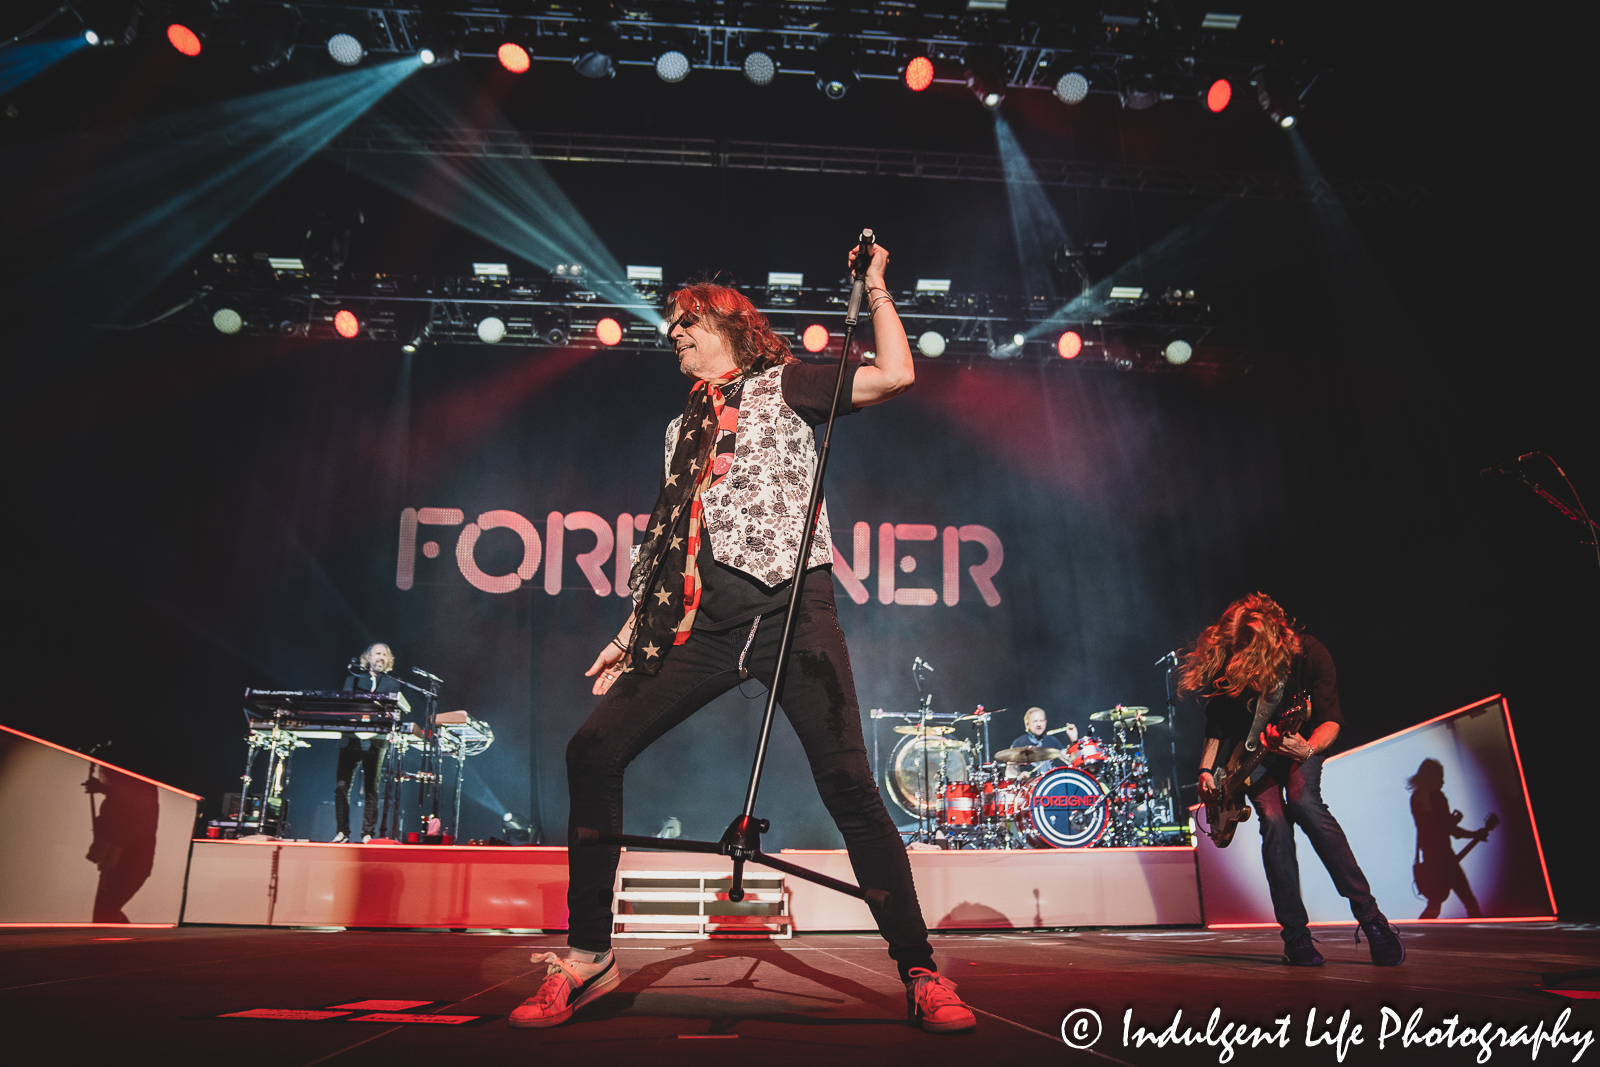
[[919, 73], [836, 68], [986, 74], [931, 344], [227, 321], [1178, 352], [1019, 339], [759, 67], [437, 57], [815, 337], [184, 39], [269, 36], [672, 66], [608, 331], [1218, 96], [1136, 84], [492, 330], [345, 323], [594, 55], [1069, 344], [1275, 98], [514, 57], [1072, 87], [345, 50], [109, 24]]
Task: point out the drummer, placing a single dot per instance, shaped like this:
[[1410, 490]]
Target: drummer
[[1037, 734]]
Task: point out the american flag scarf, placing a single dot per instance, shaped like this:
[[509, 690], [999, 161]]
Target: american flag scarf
[[667, 568]]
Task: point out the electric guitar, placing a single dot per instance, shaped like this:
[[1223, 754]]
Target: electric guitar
[[1224, 814], [1432, 880]]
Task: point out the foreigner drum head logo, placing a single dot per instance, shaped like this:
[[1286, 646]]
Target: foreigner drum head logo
[[1066, 808]]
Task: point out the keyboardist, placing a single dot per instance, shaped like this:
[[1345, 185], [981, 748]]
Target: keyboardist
[[368, 674]]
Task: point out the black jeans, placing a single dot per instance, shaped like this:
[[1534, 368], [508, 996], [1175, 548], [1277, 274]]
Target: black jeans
[[371, 763], [1295, 799], [819, 698]]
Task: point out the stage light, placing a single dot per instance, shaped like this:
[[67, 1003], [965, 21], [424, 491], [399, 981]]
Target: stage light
[[91, 38], [815, 337], [1019, 339], [1218, 96], [1178, 352], [759, 68], [183, 39], [1137, 87], [836, 68], [1069, 344], [115, 22], [1217, 21], [345, 50], [492, 330], [919, 73], [1276, 98], [1072, 87], [931, 344], [1126, 292], [594, 56], [609, 331], [672, 66], [345, 323], [986, 74], [1287, 122], [227, 321], [492, 272], [514, 57]]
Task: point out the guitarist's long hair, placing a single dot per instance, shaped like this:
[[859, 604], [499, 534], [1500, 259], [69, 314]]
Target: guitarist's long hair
[[1250, 647]]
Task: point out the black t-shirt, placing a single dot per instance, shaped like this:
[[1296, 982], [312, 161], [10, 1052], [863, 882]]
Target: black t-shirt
[[730, 597], [363, 683], [1229, 717], [1025, 740]]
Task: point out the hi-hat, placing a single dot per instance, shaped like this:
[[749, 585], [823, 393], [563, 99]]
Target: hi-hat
[[1026, 754], [925, 731]]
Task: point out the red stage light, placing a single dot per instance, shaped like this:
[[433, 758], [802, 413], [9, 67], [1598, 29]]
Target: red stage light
[[1069, 344], [815, 338], [514, 58], [609, 331], [919, 74], [346, 324], [1218, 95], [184, 39]]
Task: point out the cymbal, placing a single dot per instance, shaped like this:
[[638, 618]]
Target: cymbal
[[1123, 714], [925, 731], [1026, 754]]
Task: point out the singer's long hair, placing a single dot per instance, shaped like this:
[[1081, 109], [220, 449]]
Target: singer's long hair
[[1250, 647], [750, 337], [367, 660]]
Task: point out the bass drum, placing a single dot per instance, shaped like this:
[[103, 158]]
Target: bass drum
[[918, 768], [1063, 808]]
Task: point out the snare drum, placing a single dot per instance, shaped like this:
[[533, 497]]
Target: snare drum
[[958, 804], [1086, 753]]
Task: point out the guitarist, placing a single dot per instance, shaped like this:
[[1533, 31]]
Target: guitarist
[[1438, 873], [1252, 663]]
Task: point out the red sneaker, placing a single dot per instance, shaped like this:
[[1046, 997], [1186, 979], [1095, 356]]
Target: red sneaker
[[567, 987], [931, 1002]]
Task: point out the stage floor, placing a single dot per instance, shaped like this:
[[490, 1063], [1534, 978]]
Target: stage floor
[[101, 995]]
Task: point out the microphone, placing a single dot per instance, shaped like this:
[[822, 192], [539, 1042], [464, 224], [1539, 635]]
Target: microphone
[[1173, 656], [864, 252], [425, 674]]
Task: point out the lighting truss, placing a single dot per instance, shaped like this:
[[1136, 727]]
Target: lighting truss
[[551, 311], [823, 159], [1183, 45]]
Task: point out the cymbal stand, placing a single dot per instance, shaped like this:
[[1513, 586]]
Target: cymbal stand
[[742, 839]]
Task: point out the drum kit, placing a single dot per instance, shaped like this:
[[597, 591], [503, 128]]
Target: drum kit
[[1097, 790]]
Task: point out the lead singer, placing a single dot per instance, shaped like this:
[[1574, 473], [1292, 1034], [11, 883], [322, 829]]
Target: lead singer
[[710, 586]]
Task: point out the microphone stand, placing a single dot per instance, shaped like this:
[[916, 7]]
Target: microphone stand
[[742, 839]]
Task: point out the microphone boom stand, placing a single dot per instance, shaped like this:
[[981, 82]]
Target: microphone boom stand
[[742, 839]]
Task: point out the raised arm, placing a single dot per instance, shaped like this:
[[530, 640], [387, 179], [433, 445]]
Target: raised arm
[[891, 373]]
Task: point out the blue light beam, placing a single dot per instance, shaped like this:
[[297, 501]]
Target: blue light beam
[[512, 203], [1034, 222], [150, 210], [21, 62]]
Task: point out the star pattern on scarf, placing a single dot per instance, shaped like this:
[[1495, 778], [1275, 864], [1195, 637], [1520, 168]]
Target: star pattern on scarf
[[663, 596], [651, 651]]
